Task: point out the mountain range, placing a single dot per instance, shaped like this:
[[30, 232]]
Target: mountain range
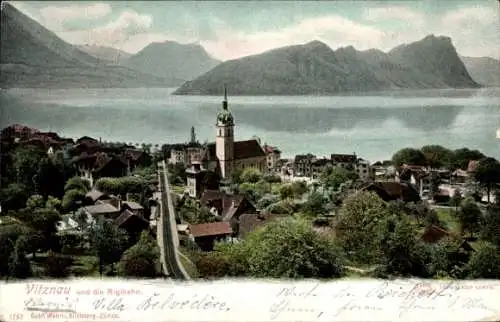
[[484, 70], [33, 56], [314, 68]]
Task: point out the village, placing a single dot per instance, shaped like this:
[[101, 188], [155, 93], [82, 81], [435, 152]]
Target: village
[[100, 199]]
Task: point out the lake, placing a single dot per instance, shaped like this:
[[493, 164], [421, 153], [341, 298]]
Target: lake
[[373, 125]]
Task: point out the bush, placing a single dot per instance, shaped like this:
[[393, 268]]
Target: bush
[[57, 266], [140, 260]]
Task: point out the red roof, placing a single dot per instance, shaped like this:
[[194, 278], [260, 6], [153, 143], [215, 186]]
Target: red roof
[[270, 149], [471, 167], [211, 229]]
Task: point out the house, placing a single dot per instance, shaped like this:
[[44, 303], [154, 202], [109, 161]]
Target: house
[[418, 176], [136, 158], [87, 139], [273, 155], [250, 222], [346, 161], [134, 223], [94, 166], [94, 195], [442, 196], [434, 234], [18, 132], [459, 176], [363, 169], [318, 166], [205, 235], [229, 207], [109, 166], [302, 165], [133, 207], [199, 180], [391, 191], [226, 155], [102, 209], [472, 166]]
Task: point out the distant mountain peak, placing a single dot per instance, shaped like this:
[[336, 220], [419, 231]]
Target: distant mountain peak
[[173, 59], [316, 44], [314, 68]]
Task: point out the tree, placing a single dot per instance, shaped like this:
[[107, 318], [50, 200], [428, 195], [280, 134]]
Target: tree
[[487, 173], [251, 175], [77, 183], [402, 253], [14, 196], [42, 224], [53, 203], [490, 226], [35, 202], [409, 156], [469, 216], [271, 178], [333, 177], [214, 264], [357, 223], [9, 233], [19, 265], [456, 199], [26, 160], [436, 156], [484, 263], [194, 212], [177, 173], [108, 242], [72, 199], [267, 200], [57, 265], [140, 260], [286, 191], [283, 207], [236, 176], [286, 249], [435, 181], [462, 157], [315, 205], [299, 188]]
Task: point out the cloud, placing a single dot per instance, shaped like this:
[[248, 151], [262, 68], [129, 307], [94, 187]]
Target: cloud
[[332, 29], [25, 9], [55, 17], [393, 13], [470, 16], [116, 33], [474, 30]]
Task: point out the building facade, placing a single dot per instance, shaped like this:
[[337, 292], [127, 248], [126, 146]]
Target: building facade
[[226, 154]]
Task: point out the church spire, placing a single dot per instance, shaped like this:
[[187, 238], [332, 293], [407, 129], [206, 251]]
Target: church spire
[[224, 102]]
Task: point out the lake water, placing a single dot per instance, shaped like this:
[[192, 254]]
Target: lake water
[[374, 126]]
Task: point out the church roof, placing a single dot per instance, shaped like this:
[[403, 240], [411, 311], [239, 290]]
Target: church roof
[[242, 150]]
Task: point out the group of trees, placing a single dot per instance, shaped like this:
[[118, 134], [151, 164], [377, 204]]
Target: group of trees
[[36, 189], [32, 231], [437, 156], [368, 231], [28, 170], [282, 249]]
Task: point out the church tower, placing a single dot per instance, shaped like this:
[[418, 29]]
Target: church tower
[[224, 140]]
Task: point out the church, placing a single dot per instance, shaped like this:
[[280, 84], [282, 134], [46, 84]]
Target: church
[[226, 155], [220, 159]]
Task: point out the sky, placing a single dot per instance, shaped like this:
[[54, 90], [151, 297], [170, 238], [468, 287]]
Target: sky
[[232, 29]]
